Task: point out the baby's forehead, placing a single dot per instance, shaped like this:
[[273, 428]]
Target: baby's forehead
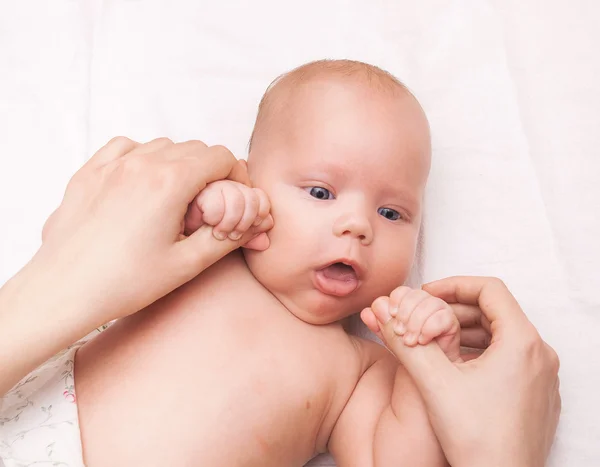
[[317, 108], [290, 90], [294, 91]]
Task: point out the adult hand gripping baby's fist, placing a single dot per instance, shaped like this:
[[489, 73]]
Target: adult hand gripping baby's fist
[[119, 234], [232, 209]]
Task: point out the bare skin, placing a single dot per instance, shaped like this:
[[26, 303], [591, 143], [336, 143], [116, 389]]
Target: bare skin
[[248, 364], [268, 391], [87, 273]]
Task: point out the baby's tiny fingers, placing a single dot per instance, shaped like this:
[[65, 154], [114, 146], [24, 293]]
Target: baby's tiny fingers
[[423, 311], [408, 304], [381, 309], [251, 205], [264, 205], [210, 204], [234, 209], [442, 322], [396, 298]]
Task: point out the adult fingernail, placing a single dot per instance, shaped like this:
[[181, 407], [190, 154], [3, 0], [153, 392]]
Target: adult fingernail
[[257, 221], [409, 338], [235, 235], [219, 235], [393, 311], [399, 328]]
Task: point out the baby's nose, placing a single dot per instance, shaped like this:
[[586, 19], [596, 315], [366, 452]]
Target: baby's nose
[[355, 225]]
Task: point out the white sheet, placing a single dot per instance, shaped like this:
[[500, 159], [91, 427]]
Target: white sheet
[[510, 88]]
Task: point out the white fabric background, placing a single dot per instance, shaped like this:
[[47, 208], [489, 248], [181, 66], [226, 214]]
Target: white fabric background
[[510, 88]]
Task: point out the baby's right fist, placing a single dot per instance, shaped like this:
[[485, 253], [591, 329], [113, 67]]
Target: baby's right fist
[[230, 207]]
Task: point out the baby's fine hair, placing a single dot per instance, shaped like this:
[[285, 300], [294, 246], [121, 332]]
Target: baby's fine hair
[[377, 78]]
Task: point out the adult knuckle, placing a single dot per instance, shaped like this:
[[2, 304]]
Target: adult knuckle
[[198, 143], [82, 179], [163, 141], [120, 140], [48, 225], [194, 144], [553, 359], [533, 347], [219, 148], [497, 282]]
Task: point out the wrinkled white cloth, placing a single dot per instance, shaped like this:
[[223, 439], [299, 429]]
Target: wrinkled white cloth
[[510, 87]]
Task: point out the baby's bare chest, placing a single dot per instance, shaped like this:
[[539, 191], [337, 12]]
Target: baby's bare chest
[[217, 379]]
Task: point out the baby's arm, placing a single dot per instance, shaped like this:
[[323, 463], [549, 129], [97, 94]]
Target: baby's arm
[[385, 422]]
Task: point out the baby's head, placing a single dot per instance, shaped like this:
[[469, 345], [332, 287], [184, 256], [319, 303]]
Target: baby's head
[[342, 149]]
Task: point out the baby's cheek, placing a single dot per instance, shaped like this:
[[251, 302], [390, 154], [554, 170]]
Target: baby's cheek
[[392, 273]]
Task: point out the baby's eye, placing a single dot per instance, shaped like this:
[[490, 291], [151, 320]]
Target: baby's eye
[[388, 213], [320, 193]]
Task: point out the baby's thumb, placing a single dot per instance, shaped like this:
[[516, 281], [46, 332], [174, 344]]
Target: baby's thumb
[[427, 364]]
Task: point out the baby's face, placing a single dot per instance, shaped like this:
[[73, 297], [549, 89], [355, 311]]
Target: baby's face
[[345, 168]]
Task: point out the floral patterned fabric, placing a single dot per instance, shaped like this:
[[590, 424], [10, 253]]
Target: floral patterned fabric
[[38, 417]]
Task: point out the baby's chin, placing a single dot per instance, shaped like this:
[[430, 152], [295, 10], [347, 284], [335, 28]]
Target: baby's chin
[[315, 308], [307, 304]]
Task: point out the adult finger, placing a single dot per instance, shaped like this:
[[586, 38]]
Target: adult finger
[[113, 150], [427, 364], [368, 317], [202, 165], [491, 295], [259, 243], [239, 173], [201, 249], [470, 316], [153, 146], [475, 338]]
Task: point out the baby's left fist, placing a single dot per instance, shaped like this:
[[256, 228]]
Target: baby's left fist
[[419, 318]]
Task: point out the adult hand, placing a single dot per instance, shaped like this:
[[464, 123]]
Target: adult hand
[[120, 225], [499, 409], [114, 245]]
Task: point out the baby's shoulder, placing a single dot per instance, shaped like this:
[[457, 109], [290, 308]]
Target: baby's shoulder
[[371, 352]]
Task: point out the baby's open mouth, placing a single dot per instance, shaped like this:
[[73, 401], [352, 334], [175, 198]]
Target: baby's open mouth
[[339, 279]]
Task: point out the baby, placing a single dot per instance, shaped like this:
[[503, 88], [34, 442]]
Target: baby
[[249, 363]]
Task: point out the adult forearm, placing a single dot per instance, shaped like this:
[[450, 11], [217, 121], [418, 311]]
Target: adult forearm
[[41, 312]]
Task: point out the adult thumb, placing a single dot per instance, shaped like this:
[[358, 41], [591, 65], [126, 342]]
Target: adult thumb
[[427, 364], [201, 249]]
